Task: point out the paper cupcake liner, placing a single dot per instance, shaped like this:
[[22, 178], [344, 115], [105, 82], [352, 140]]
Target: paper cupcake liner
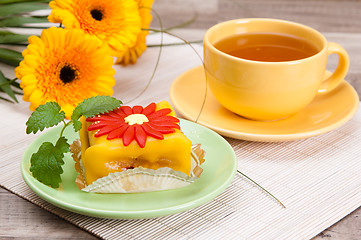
[[139, 179]]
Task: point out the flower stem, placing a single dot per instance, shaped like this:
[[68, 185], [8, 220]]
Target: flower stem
[[174, 44], [200, 58], [186, 42], [65, 125], [244, 175], [8, 82], [158, 58]]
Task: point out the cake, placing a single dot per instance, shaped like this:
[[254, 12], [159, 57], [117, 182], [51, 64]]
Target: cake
[[129, 143]]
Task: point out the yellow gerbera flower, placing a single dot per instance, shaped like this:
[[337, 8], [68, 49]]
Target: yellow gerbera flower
[[115, 22], [131, 54], [66, 66]]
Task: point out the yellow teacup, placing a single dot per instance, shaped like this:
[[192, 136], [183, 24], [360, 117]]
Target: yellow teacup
[[263, 90]]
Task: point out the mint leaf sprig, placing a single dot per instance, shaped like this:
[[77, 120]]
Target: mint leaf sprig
[[46, 163]]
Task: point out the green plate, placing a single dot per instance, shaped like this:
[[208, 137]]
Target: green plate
[[218, 171]]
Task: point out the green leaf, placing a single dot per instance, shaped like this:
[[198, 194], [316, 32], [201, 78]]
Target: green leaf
[[62, 145], [5, 86], [16, 84], [46, 163], [45, 116], [20, 20], [77, 125], [7, 100], [10, 56], [93, 106], [16, 8], [7, 37], [17, 1]]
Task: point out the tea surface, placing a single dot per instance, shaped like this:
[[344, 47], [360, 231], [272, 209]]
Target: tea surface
[[267, 47]]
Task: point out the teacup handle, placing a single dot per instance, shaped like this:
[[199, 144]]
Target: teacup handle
[[342, 68]]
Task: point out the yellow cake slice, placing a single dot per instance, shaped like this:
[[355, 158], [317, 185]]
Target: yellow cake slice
[[128, 138]]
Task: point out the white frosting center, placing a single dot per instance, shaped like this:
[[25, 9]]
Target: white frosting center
[[136, 119]]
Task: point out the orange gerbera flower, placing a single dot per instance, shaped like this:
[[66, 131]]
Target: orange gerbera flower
[[66, 66], [115, 22], [133, 53]]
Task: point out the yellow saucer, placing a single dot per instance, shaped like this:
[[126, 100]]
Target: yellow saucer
[[325, 113]]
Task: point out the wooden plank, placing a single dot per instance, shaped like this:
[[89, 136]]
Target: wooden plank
[[324, 15], [21, 219]]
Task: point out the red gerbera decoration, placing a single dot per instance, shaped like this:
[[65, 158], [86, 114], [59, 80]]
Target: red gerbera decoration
[[118, 124]]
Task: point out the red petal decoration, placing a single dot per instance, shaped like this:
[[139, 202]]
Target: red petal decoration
[[118, 133], [151, 132], [113, 124], [166, 124], [137, 109], [108, 129], [114, 114], [96, 126], [164, 130], [103, 117], [127, 110], [149, 109], [166, 119], [140, 136], [159, 113], [128, 136], [120, 113]]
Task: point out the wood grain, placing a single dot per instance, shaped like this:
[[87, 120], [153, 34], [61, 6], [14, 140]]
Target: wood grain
[[339, 20], [324, 15], [21, 219]]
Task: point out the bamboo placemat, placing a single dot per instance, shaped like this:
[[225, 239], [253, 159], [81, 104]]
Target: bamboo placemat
[[318, 179]]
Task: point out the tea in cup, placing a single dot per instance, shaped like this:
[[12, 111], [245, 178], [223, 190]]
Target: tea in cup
[[269, 69]]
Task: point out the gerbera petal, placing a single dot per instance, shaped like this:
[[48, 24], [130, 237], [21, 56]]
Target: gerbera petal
[[58, 49], [140, 136], [159, 113], [118, 27], [31, 61], [48, 37], [152, 132], [75, 37], [107, 79], [149, 109], [29, 79], [28, 90], [35, 40], [137, 109], [128, 136], [34, 106], [36, 96], [64, 4], [68, 109]]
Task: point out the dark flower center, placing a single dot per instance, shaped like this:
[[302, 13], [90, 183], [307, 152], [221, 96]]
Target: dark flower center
[[97, 14], [67, 74]]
